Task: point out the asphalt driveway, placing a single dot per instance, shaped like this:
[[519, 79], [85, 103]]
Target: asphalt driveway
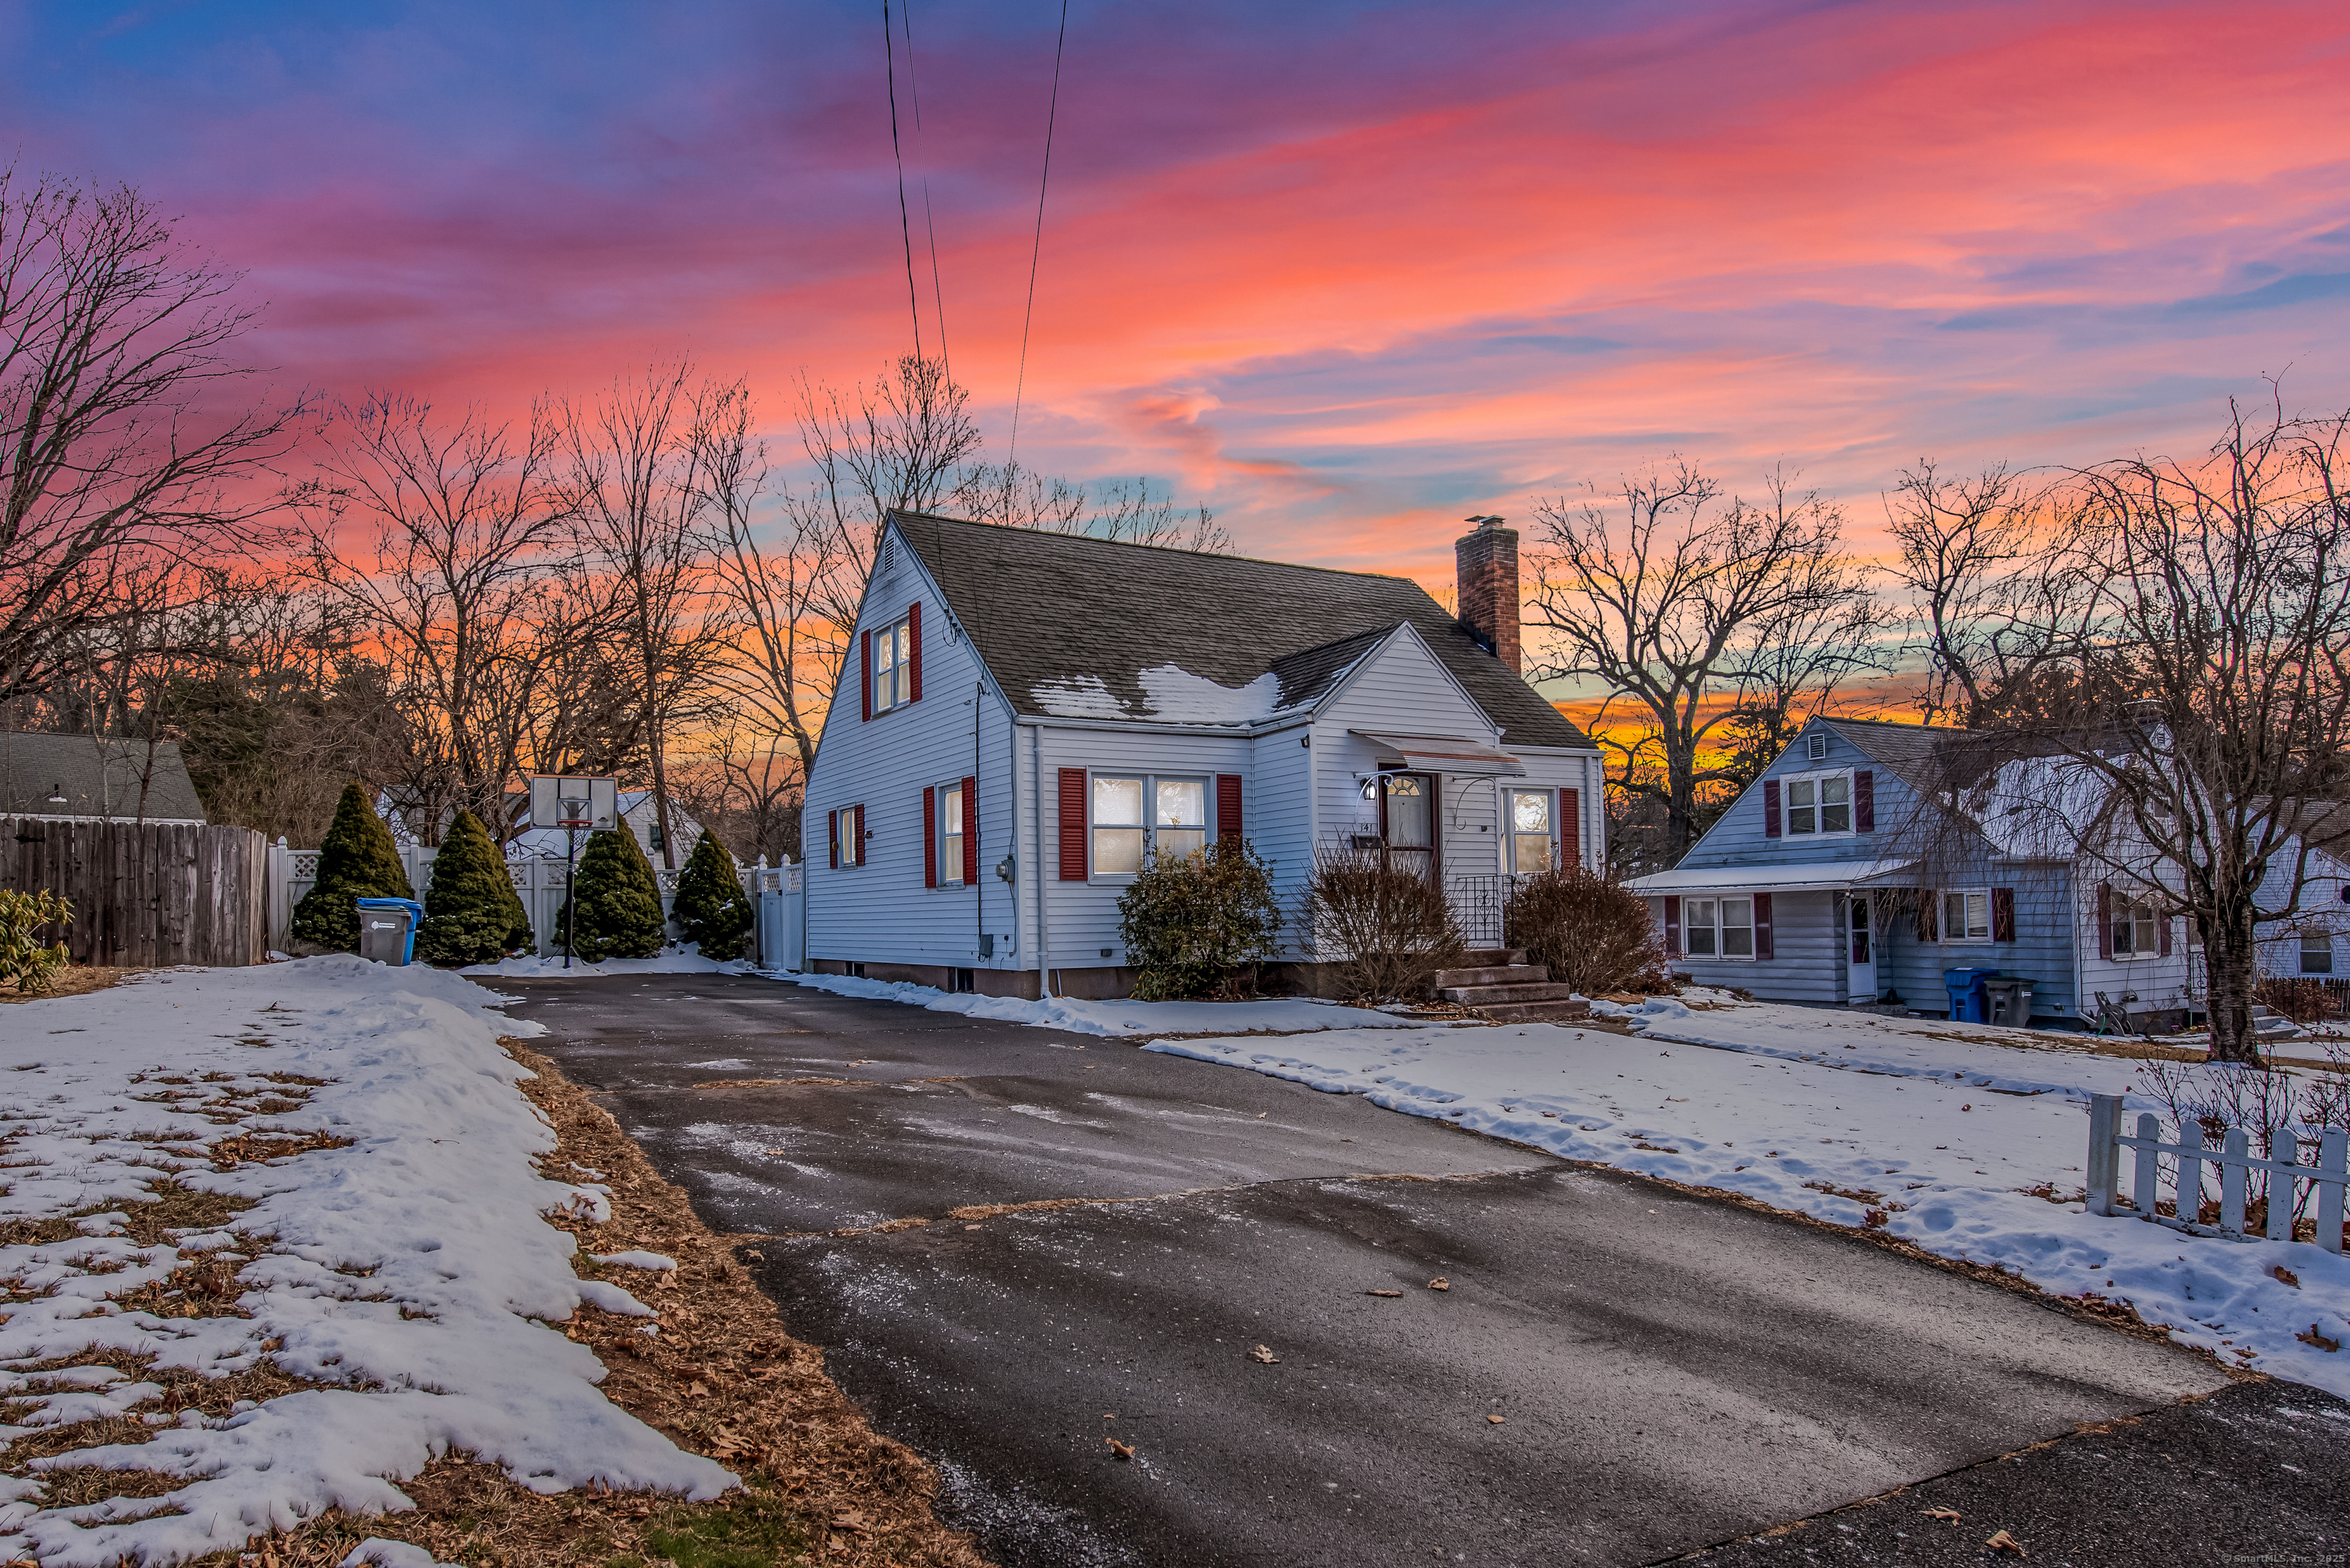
[[1615, 1374]]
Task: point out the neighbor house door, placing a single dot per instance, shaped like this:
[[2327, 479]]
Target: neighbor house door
[[1860, 949]]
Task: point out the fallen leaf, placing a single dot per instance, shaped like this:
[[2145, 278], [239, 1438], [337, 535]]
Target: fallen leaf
[[2317, 1339], [1261, 1115], [1947, 1515], [852, 1520], [1969, 1108], [696, 1389], [2003, 1541], [1120, 1450], [1496, 1420], [2283, 1275], [1264, 1353], [1383, 1293], [1439, 1283]]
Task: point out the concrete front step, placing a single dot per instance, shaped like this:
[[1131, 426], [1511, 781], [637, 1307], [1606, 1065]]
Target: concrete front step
[[1480, 995], [1494, 958], [1537, 1011], [1494, 974]]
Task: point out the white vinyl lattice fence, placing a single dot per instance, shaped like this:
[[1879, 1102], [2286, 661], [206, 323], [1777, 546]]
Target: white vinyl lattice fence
[[2287, 1188]]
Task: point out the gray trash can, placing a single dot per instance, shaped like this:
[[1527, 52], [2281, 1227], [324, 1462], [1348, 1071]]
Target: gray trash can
[[388, 929], [2008, 1001]]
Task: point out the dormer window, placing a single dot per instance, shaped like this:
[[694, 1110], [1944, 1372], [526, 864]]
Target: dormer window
[[1819, 803], [893, 665]]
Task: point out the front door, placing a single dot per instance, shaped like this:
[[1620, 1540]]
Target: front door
[[1860, 951], [1408, 822]]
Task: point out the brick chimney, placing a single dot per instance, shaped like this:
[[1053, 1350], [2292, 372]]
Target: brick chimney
[[1485, 572]]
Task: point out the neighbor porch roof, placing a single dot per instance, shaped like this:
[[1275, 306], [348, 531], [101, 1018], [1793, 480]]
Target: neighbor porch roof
[[1827, 876]]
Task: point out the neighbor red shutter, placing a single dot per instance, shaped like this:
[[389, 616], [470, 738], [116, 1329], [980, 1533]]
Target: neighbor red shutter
[[1672, 927], [2163, 942], [832, 836], [2002, 914], [1073, 824], [860, 833], [931, 837], [1228, 807], [1928, 915], [1863, 801], [1762, 926], [970, 833], [914, 651], [1770, 808], [2104, 922], [865, 675], [1570, 829]]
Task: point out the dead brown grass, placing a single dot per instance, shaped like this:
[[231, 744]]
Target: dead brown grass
[[74, 980]]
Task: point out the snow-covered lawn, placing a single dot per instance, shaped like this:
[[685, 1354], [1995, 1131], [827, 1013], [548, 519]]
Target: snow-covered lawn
[[391, 1293], [1279, 1015], [1934, 1131]]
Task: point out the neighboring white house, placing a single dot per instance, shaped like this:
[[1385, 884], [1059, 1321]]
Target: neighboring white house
[[1025, 716]]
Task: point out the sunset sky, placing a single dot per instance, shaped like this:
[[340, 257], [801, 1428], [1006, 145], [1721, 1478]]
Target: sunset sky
[[1346, 273]]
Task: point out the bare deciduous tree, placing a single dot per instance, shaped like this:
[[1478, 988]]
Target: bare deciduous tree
[[1693, 611]]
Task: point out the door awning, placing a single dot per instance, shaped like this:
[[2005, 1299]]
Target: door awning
[[1826, 877], [1442, 754]]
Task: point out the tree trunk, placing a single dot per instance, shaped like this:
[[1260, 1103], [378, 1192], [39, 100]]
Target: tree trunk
[[1680, 802], [2233, 979]]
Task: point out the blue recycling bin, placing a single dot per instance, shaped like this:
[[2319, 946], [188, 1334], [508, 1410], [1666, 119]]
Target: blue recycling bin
[[388, 929], [1968, 1004]]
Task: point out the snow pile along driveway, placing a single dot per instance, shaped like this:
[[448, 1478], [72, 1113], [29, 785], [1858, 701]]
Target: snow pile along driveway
[[1278, 1014], [1969, 1148], [392, 1280]]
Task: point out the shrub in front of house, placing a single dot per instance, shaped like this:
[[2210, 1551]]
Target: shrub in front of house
[[359, 860], [614, 907], [1591, 931], [1385, 930], [471, 912], [25, 962], [711, 908], [1199, 924]]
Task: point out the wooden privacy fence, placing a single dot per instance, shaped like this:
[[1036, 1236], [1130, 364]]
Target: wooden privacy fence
[[2291, 1185], [144, 894]]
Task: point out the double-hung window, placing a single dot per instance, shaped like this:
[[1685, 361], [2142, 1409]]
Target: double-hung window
[[1819, 803], [2316, 952], [1135, 814], [1718, 928], [1966, 915], [893, 664], [2136, 932], [950, 836], [1530, 844]]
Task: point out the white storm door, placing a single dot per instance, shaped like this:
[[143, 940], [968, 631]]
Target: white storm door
[[1860, 949]]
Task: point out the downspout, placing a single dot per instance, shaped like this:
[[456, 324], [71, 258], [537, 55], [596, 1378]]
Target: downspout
[[979, 880], [1036, 871]]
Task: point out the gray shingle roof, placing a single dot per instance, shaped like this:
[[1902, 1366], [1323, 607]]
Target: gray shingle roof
[[98, 779], [1918, 753], [1064, 610]]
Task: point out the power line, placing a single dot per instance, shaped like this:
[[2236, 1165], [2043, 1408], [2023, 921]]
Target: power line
[[905, 225], [1036, 246], [930, 223]]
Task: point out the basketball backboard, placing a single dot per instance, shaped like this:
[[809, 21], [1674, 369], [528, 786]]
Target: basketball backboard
[[574, 801]]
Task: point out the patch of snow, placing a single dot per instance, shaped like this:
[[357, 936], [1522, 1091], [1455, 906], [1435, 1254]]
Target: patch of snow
[[1180, 697], [410, 1273], [383, 1553], [1939, 1128], [1078, 697], [723, 1065], [636, 1259], [1281, 1013]]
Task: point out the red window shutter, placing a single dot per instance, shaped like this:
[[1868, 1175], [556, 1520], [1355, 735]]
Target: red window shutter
[[2105, 921], [865, 674], [1770, 808], [1762, 926], [1570, 829], [1073, 824], [914, 651], [2163, 942], [2002, 914], [860, 833], [1863, 801], [1928, 915], [1672, 925], [931, 837], [970, 833], [832, 838], [1228, 807]]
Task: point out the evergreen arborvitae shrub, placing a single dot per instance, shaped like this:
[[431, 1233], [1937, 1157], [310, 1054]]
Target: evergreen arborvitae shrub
[[711, 907], [471, 912], [359, 860], [615, 909], [1199, 924]]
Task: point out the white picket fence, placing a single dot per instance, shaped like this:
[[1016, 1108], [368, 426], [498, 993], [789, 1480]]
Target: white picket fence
[[538, 881], [2290, 1183]]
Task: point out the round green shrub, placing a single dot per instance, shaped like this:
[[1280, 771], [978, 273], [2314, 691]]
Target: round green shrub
[[359, 860], [471, 912], [615, 908], [711, 908], [1199, 924]]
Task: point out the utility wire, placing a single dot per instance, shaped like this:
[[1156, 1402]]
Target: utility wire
[[905, 225], [1036, 246], [929, 223]]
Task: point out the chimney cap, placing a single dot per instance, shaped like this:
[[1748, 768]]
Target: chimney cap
[[1483, 521]]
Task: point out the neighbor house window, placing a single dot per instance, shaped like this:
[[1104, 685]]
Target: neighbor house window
[[2318, 952], [1718, 928], [950, 836], [1966, 915], [1529, 835], [893, 665], [848, 835], [1819, 803], [1135, 815], [2136, 932]]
